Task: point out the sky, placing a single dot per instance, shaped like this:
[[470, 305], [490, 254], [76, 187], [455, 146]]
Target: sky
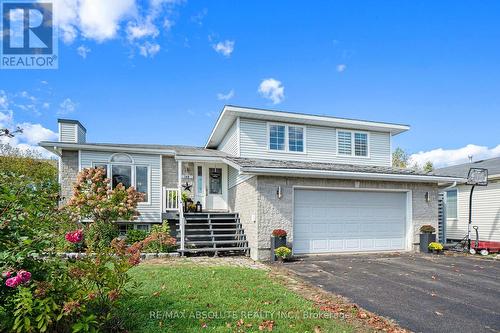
[[160, 71]]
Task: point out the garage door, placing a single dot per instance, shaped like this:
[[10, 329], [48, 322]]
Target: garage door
[[348, 221]]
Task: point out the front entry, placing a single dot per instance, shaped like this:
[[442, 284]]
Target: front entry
[[211, 185]]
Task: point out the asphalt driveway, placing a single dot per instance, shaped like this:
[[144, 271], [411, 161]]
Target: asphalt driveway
[[424, 293]]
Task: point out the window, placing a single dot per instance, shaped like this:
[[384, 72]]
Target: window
[[295, 138], [141, 181], [344, 143], [122, 228], [122, 158], [451, 204], [215, 183], [199, 180], [352, 143], [286, 138], [142, 227], [121, 174], [277, 137], [360, 144]]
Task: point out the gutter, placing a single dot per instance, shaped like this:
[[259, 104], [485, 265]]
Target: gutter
[[54, 146], [351, 175]]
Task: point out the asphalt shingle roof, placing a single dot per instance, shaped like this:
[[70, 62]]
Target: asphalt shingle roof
[[462, 170], [280, 164]]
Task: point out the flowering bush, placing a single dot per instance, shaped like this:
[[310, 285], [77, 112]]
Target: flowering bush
[[279, 233], [40, 291], [435, 246]]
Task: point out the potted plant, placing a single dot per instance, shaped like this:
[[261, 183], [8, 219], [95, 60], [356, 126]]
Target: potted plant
[[435, 247], [278, 239], [283, 253], [427, 236]]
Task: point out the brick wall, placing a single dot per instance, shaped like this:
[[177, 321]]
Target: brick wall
[[243, 199], [68, 172], [277, 213]]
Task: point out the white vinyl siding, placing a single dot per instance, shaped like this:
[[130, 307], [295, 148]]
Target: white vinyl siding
[[81, 135], [150, 211], [320, 145], [234, 177], [229, 143], [485, 212], [68, 132]]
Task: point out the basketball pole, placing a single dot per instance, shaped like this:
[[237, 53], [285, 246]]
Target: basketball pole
[[470, 216]]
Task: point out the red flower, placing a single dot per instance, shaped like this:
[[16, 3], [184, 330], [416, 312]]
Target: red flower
[[279, 233], [25, 276], [13, 282], [74, 236]]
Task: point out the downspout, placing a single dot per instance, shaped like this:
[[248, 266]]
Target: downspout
[[449, 187]]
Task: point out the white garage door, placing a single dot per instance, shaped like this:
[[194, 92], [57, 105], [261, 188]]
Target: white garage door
[[348, 221]]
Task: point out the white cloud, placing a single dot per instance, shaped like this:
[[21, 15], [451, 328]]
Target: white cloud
[[225, 97], [67, 106], [30, 137], [225, 48], [4, 101], [83, 51], [341, 68], [444, 157], [46, 105], [136, 30], [149, 49], [272, 89]]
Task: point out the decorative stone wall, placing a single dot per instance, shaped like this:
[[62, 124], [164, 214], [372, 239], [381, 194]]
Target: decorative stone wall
[[276, 213], [68, 172]]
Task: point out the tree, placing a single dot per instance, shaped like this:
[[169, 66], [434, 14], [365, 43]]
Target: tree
[[428, 167], [28, 163], [400, 158]]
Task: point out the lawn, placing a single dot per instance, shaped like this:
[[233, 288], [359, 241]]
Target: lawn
[[193, 298]]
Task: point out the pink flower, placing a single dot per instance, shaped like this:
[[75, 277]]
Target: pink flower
[[74, 236], [13, 282], [25, 276], [6, 274]]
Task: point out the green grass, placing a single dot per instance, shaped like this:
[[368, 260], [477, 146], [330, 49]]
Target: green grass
[[169, 298]]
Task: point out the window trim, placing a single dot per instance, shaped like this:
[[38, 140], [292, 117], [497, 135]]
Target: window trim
[[458, 206], [133, 173], [287, 148], [353, 143]]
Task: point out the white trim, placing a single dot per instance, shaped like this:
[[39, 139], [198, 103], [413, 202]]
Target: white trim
[[229, 112], [287, 138], [73, 146], [409, 208], [350, 175], [238, 137], [128, 155], [79, 160], [76, 133], [241, 180], [353, 143], [194, 158]]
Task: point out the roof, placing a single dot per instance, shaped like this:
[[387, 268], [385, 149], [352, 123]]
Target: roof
[[71, 121], [267, 166], [231, 112], [177, 150], [462, 170]]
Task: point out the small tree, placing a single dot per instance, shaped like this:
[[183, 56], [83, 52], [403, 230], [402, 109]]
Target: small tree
[[93, 199], [400, 158], [428, 167]]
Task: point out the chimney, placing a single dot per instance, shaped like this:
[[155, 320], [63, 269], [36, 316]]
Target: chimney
[[71, 131], [470, 158]]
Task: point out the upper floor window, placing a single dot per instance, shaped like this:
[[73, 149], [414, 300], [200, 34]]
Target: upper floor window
[[451, 204], [352, 143], [286, 138]]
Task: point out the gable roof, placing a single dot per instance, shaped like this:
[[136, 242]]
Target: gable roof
[[231, 112], [332, 170], [462, 170]]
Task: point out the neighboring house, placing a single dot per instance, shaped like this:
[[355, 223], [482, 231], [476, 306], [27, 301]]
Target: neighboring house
[[486, 202], [328, 181]]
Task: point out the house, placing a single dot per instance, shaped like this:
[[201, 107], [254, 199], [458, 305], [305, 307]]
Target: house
[[328, 181], [486, 202]]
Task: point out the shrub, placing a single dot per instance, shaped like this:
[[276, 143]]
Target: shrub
[[435, 246], [279, 233], [135, 235], [283, 252], [427, 229]]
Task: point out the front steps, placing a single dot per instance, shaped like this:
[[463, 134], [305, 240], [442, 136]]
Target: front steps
[[213, 232]]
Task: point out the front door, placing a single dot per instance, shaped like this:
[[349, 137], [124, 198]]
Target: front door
[[211, 186]]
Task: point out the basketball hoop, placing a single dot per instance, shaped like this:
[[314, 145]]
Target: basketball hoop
[[478, 176]]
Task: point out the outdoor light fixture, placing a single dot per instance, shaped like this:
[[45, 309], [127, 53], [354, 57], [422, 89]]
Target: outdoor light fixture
[[476, 177], [278, 192], [427, 197]]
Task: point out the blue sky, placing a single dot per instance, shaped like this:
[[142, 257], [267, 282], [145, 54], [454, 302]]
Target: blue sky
[[158, 71]]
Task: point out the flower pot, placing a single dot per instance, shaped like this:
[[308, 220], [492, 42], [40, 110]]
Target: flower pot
[[425, 240], [275, 243]]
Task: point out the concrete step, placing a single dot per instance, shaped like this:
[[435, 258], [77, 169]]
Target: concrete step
[[212, 249], [210, 242]]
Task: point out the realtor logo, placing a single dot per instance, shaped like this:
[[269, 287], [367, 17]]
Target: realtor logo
[[28, 36]]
